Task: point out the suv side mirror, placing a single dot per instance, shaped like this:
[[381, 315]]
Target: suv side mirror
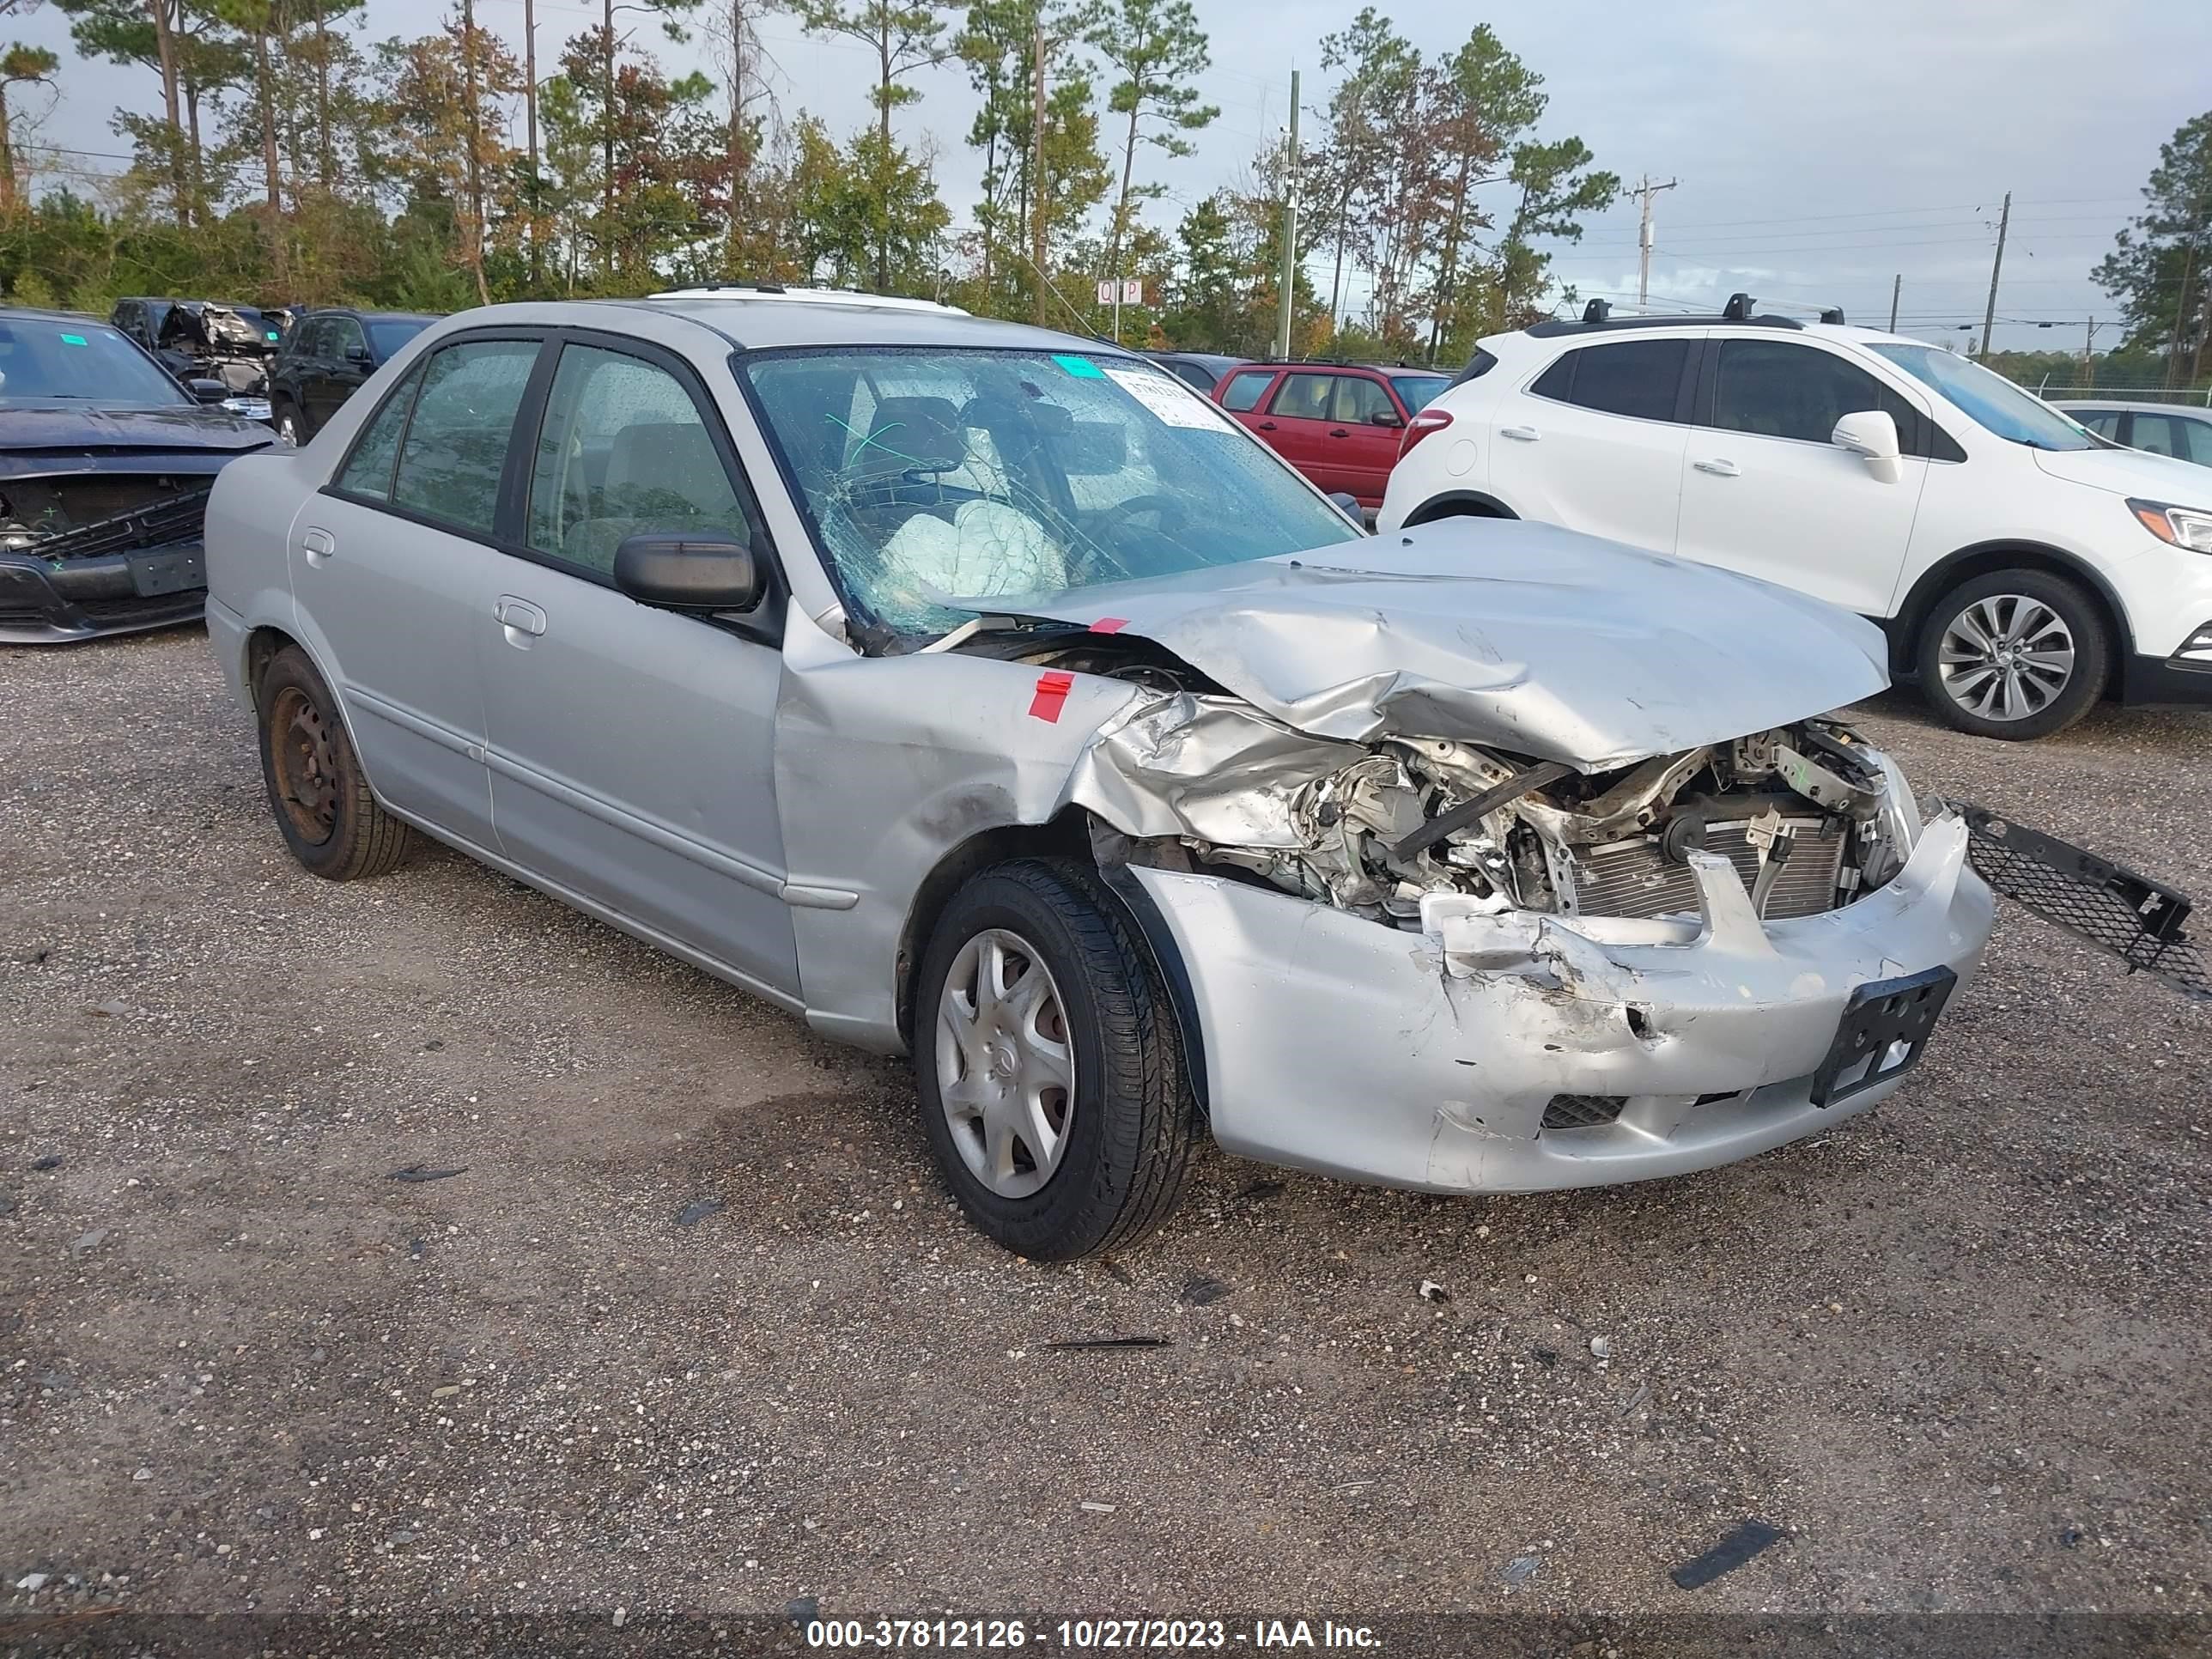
[[688, 573], [1873, 434], [207, 391], [1384, 417], [358, 354]]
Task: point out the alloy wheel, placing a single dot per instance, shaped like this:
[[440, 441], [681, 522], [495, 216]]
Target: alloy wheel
[[1005, 1064], [2006, 657]]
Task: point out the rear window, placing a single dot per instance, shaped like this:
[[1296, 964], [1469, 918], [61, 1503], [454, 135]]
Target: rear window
[[1635, 378], [1242, 393]]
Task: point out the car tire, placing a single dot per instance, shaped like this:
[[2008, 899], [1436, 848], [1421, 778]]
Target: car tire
[[1977, 666], [985, 1069], [317, 791], [291, 425]]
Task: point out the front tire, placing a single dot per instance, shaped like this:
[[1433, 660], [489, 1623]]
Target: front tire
[[2015, 654], [290, 425], [1049, 1065], [317, 790]]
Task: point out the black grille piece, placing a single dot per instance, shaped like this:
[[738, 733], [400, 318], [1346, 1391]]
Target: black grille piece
[[2133, 918], [1582, 1111]]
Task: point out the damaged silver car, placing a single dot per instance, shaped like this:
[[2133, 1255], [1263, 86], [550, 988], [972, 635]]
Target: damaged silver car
[[982, 694]]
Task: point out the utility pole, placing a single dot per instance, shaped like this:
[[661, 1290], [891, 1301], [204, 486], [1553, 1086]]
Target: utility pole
[[1896, 288], [1644, 193], [1284, 302], [1037, 171], [1989, 316], [530, 108], [2088, 356]]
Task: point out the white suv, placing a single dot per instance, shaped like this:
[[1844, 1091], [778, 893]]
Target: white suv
[[2021, 566]]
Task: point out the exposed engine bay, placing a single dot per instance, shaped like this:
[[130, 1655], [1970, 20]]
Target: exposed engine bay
[[203, 339], [1810, 815], [33, 510]]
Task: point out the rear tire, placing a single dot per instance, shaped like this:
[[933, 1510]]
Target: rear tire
[[317, 791], [290, 424], [2015, 654], [1031, 982]]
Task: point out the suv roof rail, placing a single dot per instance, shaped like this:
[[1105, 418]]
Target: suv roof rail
[[1597, 317]]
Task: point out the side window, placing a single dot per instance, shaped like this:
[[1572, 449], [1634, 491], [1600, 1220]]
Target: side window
[[2177, 435], [342, 335], [456, 443], [2196, 439], [2104, 422], [368, 471], [1304, 396], [1357, 400], [622, 450], [1778, 390], [1638, 378], [1243, 392]]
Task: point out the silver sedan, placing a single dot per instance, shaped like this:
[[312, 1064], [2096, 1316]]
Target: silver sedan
[[983, 694]]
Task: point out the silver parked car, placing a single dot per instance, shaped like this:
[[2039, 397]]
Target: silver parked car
[[985, 693], [2181, 430]]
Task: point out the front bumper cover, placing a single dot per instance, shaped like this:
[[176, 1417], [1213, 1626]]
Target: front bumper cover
[[1427, 1061], [55, 601]]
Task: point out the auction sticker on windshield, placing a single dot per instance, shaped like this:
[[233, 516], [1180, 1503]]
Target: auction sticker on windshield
[[1175, 402]]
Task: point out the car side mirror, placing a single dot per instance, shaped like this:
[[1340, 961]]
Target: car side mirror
[[1348, 504], [1384, 417], [358, 354], [688, 573], [1870, 433], [207, 391]]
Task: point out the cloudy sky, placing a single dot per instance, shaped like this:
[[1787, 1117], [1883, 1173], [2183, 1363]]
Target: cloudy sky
[[1821, 150]]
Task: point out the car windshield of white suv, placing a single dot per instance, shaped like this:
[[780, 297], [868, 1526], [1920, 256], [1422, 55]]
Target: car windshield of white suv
[[939, 482], [1989, 399], [43, 360]]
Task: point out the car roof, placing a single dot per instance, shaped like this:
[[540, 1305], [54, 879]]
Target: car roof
[[47, 314], [1362, 368], [2197, 411], [759, 321]]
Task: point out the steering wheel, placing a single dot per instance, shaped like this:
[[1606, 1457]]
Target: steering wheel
[[1171, 513]]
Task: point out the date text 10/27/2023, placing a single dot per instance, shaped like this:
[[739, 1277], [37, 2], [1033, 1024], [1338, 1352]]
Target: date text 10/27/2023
[[1089, 1635]]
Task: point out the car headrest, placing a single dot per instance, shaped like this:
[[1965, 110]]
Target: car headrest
[[672, 456], [907, 432]]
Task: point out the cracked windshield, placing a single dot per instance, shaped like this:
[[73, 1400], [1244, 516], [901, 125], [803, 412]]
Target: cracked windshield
[[942, 483]]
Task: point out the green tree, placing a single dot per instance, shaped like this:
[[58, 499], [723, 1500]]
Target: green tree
[[1557, 185], [1482, 98], [906, 35], [2160, 266], [1157, 50], [20, 65]]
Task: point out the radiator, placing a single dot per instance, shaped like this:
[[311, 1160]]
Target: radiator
[[1634, 878]]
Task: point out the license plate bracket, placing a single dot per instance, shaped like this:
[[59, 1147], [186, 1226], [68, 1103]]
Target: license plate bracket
[[1886, 1025], [172, 571]]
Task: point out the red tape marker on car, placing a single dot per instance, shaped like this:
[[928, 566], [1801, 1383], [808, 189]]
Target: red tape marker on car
[[1052, 691], [1110, 625]]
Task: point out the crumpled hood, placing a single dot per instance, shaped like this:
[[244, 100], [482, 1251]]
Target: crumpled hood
[[1520, 637], [2131, 472], [62, 428]]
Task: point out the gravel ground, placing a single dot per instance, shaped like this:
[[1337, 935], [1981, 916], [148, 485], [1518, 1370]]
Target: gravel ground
[[1958, 1349]]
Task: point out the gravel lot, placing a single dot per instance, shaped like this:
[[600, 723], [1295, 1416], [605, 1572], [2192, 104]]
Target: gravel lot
[[1958, 1350]]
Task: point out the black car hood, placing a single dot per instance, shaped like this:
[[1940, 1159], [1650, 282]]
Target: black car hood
[[63, 436]]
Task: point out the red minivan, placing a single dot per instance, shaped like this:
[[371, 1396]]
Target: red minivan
[[1339, 423]]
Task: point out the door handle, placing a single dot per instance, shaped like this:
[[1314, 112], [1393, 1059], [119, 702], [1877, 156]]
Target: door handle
[[523, 620], [1525, 434], [1266, 426], [1719, 469], [319, 545], [1338, 431]]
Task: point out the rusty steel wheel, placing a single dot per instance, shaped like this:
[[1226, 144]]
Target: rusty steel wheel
[[321, 801], [306, 779]]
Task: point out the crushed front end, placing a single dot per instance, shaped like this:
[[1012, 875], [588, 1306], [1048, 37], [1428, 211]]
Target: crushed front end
[[1438, 964], [82, 555]]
